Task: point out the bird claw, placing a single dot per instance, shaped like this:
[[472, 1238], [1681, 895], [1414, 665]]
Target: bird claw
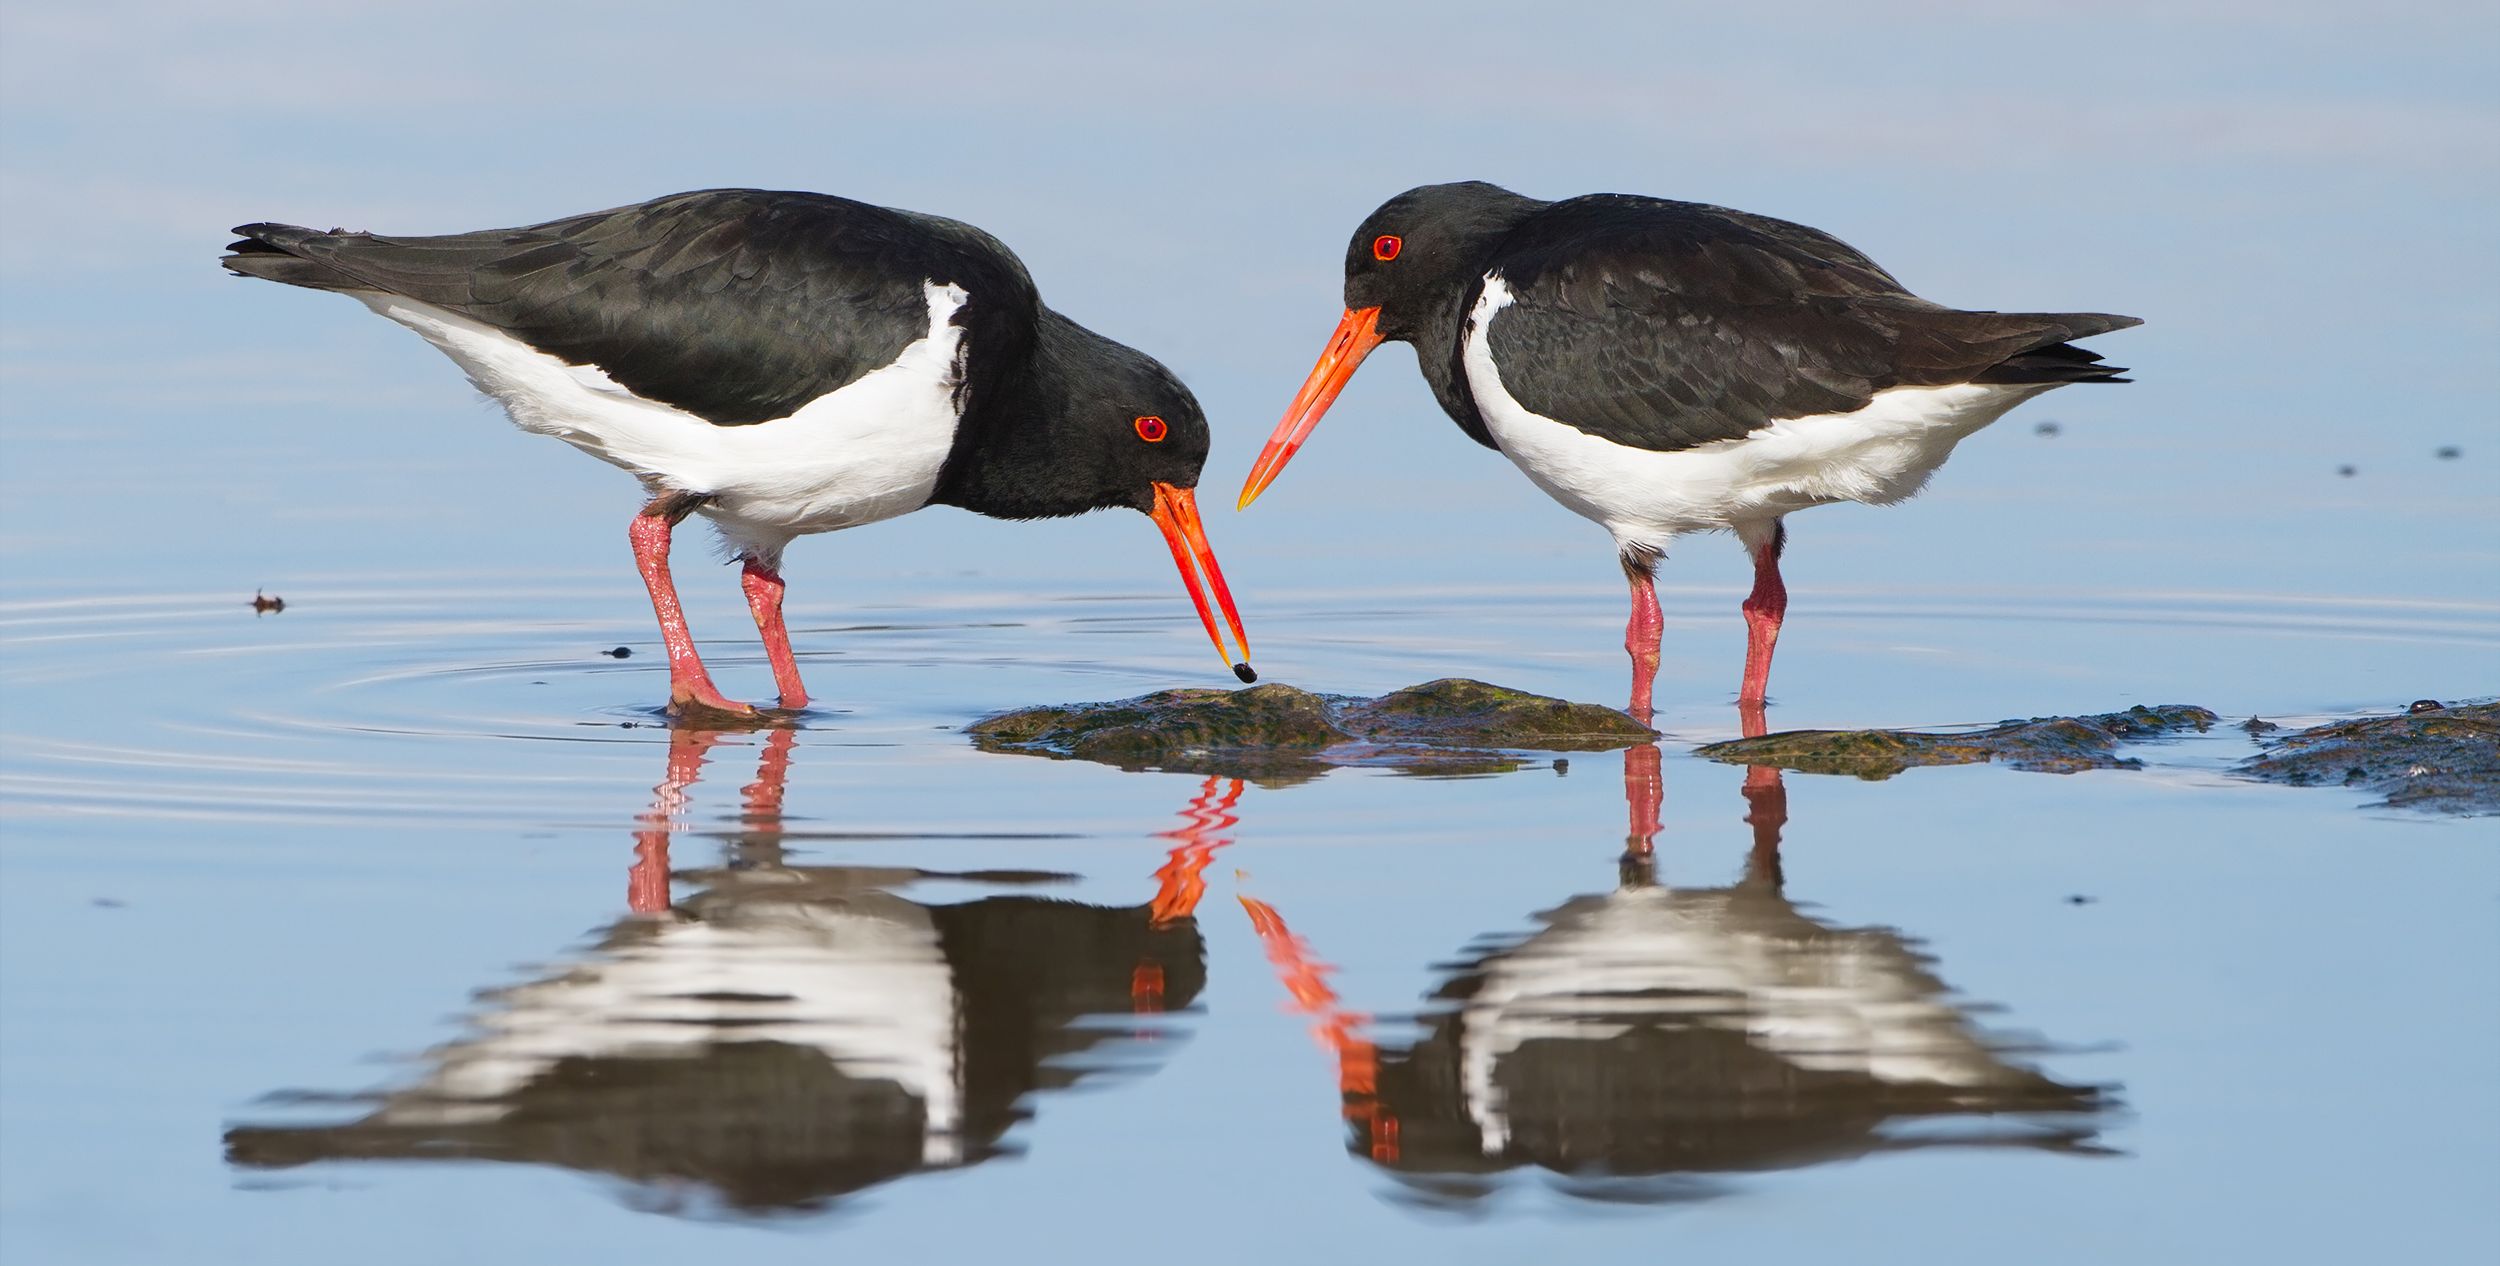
[[700, 699]]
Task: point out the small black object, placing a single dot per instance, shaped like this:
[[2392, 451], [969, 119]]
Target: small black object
[[267, 603], [622, 652], [2046, 428], [2348, 471], [2421, 706], [2448, 453], [1562, 767], [1244, 672], [2079, 899]]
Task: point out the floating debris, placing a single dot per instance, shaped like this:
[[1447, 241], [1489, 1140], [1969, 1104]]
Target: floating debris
[[1278, 734], [267, 603], [2439, 759], [2055, 745]]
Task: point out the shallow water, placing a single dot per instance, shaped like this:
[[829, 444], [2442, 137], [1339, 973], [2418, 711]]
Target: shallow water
[[397, 903]]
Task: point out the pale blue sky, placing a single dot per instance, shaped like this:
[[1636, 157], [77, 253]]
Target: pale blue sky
[[2293, 199]]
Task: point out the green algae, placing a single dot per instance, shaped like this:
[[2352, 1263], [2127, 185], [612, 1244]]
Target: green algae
[[2057, 745], [2439, 760], [1279, 734]]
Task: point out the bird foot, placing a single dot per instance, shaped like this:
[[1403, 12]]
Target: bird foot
[[699, 698]]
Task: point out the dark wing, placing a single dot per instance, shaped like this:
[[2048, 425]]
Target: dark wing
[[1666, 325], [736, 305]]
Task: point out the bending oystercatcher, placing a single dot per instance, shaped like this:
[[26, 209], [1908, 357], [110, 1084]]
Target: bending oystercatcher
[[781, 364], [1669, 367]]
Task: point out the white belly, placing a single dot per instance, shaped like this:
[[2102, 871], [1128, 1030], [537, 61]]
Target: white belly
[[874, 994], [1878, 454], [868, 451]]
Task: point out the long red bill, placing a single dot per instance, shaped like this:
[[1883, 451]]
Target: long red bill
[[1176, 512], [1355, 338]]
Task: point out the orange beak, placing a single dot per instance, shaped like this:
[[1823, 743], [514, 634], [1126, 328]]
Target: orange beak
[[1355, 338], [1176, 512]]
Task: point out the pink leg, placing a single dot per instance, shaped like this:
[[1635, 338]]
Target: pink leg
[[690, 688], [1644, 791], [1764, 609], [646, 886], [1640, 634], [763, 586]]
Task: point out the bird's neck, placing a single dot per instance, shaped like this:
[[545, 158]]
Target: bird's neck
[[1439, 352], [1019, 449], [1474, 220]]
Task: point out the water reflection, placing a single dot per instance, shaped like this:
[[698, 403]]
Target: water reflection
[[787, 1034], [1647, 1036]]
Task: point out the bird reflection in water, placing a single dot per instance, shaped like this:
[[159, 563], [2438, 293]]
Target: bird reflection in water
[[1645, 1038], [788, 1034]]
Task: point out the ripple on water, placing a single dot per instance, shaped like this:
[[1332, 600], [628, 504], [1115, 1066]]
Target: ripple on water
[[395, 698]]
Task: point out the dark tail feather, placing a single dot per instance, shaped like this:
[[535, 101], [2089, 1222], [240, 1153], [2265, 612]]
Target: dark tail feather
[[2007, 347], [274, 252], [2058, 362]]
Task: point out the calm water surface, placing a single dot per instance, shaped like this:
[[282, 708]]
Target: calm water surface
[[394, 921]]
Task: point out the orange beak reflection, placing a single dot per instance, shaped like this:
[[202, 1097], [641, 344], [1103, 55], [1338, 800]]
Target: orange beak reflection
[[1355, 338], [1176, 512]]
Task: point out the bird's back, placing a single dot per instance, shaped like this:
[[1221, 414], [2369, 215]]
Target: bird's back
[[1663, 325], [736, 305]]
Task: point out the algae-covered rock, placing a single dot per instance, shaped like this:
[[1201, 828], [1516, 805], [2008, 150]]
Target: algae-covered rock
[[2439, 759], [1457, 712], [2057, 745], [1277, 734]]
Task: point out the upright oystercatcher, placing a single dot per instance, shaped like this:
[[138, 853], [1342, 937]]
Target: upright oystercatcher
[[1653, 1032], [786, 363], [1670, 367]]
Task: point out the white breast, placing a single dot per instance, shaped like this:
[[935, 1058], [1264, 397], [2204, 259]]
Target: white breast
[[1878, 454], [868, 451], [1847, 1000], [873, 994]]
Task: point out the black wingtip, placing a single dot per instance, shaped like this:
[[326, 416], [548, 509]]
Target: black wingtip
[[1245, 672]]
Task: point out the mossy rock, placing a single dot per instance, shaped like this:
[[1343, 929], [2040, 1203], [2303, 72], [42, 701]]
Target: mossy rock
[[2057, 745], [2440, 759], [1278, 734]]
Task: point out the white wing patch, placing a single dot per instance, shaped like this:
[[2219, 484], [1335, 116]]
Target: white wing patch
[[870, 450], [1879, 454]]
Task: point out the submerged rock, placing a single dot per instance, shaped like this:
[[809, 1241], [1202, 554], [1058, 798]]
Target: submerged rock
[[2057, 745], [2440, 759], [1277, 734]]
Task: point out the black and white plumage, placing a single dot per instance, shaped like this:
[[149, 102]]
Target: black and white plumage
[[1643, 1040], [783, 364], [784, 1035], [1668, 367]]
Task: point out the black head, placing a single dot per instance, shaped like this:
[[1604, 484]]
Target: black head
[[1088, 424], [1415, 256], [1091, 424], [1407, 271], [1134, 428]]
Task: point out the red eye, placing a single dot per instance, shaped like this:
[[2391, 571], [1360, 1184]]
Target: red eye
[[1386, 247], [1152, 430]]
